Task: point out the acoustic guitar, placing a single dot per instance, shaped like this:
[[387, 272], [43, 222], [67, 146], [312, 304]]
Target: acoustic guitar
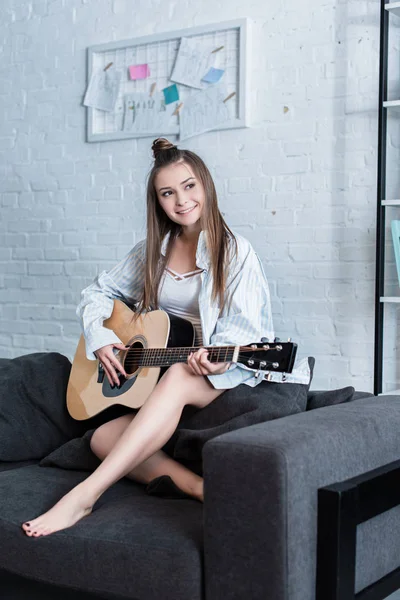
[[156, 341]]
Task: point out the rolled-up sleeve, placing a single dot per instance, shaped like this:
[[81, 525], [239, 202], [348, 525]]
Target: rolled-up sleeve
[[123, 282], [245, 319]]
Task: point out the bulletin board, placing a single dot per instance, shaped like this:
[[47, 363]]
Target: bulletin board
[[141, 107]]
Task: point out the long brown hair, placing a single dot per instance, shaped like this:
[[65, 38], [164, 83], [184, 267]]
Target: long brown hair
[[218, 234]]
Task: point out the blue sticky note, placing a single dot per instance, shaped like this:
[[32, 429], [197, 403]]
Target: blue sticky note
[[213, 75], [171, 94]]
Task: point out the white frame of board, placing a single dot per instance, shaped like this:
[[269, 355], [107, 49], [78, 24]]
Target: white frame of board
[[243, 62]]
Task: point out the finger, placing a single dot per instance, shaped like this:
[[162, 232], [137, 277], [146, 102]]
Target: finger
[[205, 365], [194, 365], [202, 362], [117, 365], [115, 362], [105, 362], [110, 376], [111, 371], [121, 346]]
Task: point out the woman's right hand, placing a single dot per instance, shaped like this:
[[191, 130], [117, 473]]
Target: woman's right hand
[[110, 362]]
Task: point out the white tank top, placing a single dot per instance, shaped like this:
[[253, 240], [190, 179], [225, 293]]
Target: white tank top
[[179, 295]]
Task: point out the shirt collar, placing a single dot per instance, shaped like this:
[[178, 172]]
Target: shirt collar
[[202, 255]]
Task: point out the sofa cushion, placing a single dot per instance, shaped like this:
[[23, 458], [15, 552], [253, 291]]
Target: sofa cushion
[[16, 587], [16, 464], [132, 544]]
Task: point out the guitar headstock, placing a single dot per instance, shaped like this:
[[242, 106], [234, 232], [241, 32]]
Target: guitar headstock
[[269, 356]]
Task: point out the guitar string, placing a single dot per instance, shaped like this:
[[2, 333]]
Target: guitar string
[[267, 364], [135, 351], [241, 356], [149, 352]]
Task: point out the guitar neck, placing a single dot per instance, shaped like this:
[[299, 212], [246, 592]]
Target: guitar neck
[[164, 357]]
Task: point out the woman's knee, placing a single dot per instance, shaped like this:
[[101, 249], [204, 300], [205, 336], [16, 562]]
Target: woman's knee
[[107, 434], [179, 379], [180, 372], [187, 387]]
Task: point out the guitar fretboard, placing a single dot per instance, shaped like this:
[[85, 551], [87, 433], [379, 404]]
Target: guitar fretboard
[[163, 357]]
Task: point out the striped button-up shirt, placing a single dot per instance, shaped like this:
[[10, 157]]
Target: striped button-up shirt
[[247, 319]]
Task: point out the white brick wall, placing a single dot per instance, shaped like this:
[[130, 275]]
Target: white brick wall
[[300, 184]]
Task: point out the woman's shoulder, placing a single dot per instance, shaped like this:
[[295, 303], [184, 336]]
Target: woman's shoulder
[[139, 250]]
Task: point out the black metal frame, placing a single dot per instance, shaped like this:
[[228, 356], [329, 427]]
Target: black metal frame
[[381, 191], [341, 507]]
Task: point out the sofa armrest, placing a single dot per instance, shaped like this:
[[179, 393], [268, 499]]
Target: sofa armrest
[[261, 492]]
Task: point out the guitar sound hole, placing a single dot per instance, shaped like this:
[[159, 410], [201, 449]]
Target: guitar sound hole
[[132, 358]]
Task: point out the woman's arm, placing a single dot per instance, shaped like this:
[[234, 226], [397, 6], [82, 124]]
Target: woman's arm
[[123, 282], [247, 320]]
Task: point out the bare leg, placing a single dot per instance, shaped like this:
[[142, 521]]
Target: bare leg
[[105, 438], [151, 428]]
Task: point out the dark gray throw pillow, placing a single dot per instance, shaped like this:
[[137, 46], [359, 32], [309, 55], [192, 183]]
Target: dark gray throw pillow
[[75, 454], [328, 397], [33, 416], [34, 419]]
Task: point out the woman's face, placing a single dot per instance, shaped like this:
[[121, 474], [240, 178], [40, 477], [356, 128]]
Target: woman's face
[[178, 189]]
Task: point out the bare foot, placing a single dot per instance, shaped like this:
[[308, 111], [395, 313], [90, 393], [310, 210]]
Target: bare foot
[[68, 511]]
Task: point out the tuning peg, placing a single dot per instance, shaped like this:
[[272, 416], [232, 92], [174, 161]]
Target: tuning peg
[[277, 339], [289, 339], [264, 340]]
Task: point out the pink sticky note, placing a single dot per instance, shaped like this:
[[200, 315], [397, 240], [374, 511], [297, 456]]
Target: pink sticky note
[[139, 71]]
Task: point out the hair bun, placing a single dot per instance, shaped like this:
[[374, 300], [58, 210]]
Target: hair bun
[[160, 145]]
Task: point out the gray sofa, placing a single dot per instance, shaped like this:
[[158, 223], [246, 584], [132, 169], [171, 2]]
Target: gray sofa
[[254, 537]]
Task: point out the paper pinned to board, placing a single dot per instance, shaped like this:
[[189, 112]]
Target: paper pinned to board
[[146, 114], [213, 75], [139, 71], [192, 62], [203, 111], [102, 91], [171, 94]]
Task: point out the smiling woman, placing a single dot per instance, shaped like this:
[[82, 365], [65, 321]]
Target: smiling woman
[[220, 288]]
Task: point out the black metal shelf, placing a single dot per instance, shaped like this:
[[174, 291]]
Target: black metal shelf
[[382, 202]]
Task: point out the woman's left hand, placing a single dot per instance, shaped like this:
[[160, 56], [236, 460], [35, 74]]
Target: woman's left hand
[[200, 364]]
